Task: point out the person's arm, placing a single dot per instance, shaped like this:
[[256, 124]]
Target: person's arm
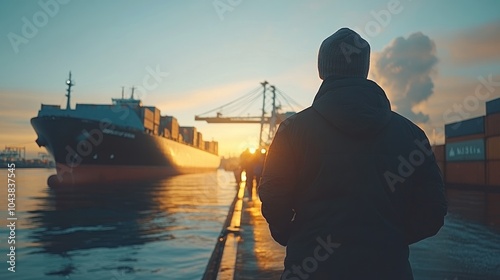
[[427, 198], [276, 188]]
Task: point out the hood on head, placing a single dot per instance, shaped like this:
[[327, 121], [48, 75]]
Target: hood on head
[[357, 107]]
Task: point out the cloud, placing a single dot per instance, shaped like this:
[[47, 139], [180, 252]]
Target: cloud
[[404, 69], [477, 45]]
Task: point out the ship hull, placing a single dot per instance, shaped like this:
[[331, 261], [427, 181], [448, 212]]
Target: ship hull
[[92, 152]]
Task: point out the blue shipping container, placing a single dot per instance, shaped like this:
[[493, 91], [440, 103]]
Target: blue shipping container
[[465, 127], [493, 106]]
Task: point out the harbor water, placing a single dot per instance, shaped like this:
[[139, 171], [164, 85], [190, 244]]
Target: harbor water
[[161, 230], [168, 229]]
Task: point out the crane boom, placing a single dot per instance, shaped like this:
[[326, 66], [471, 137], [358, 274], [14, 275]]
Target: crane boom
[[270, 118]]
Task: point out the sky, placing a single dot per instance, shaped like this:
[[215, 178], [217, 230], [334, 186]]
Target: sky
[[438, 61]]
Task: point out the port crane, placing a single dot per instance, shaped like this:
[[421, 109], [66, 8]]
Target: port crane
[[13, 153], [269, 116], [44, 156]]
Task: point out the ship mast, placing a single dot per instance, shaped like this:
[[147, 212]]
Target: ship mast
[[69, 83], [132, 95]]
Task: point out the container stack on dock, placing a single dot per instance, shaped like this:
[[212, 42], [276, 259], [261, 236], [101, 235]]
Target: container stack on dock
[[465, 155], [471, 153], [493, 142]]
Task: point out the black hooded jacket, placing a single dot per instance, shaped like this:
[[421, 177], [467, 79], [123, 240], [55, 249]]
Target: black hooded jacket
[[348, 185]]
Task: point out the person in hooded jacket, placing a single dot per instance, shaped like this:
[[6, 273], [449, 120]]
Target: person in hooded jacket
[[348, 184]]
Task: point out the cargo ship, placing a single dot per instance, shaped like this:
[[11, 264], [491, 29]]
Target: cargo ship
[[119, 142]]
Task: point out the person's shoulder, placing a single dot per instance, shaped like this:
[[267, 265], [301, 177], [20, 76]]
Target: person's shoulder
[[305, 114], [297, 121], [404, 122]]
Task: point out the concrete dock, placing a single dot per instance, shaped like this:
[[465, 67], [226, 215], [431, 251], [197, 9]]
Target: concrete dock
[[463, 249], [249, 251], [259, 256]]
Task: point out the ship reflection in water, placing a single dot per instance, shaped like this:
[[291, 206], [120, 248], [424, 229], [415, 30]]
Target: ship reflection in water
[[161, 230]]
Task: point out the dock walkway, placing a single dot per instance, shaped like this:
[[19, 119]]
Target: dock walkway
[[259, 256]]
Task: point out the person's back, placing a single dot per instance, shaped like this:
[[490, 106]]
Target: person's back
[[358, 180]]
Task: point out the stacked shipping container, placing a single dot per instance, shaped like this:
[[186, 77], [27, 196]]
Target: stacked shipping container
[[471, 154], [216, 147], [171, 125], [492, 131], [209, 146], [168, 127], [147, 118], [199, 141], [156, 119], [189, 135], [465, 152]]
